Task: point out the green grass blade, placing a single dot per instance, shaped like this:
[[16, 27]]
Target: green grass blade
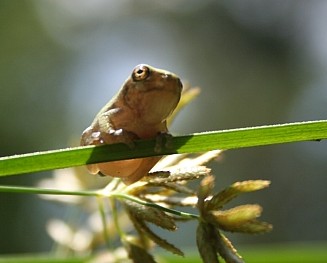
[[36, 190], [201, 142]]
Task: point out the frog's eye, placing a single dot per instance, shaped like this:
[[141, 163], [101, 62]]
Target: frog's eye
[[140, 72]]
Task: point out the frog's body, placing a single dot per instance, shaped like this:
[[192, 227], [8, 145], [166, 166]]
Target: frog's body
[[138, 111]]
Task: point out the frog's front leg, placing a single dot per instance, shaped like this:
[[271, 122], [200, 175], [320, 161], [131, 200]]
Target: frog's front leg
[[163, 140], [95, 135], [104, 130], [129, 171], [92, 136]]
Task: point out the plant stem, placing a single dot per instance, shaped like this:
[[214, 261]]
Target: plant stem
[[35, 190], [100, 202]]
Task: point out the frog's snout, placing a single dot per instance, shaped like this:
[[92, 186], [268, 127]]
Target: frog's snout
[[172, 77], [179, 83]]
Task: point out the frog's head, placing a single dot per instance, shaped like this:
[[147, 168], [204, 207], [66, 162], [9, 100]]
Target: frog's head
[[152, 93]]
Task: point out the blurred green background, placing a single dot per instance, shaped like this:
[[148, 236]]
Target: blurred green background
[[257, 62]]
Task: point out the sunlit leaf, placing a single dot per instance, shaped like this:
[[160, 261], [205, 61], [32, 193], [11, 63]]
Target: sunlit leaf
[[235, 217], [225, 196]]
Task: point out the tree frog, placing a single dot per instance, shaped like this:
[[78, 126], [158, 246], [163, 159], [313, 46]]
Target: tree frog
[[138, 111]]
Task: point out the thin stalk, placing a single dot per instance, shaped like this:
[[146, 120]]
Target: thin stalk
[[116, 218], [106, 237], [35, 190]]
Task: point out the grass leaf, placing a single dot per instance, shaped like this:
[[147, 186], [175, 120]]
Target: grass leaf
[[199, 142]]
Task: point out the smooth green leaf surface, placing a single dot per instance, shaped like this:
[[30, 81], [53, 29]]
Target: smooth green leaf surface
[[200, 142]]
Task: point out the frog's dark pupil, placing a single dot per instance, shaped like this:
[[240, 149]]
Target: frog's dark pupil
[[140, 71]]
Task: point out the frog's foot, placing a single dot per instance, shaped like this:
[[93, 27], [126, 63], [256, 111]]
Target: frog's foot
[[119, 136], [89, 137], [163, 140]]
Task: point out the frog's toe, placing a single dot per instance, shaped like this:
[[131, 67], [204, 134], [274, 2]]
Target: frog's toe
[[163, 140]]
